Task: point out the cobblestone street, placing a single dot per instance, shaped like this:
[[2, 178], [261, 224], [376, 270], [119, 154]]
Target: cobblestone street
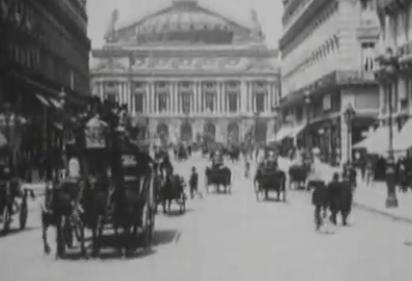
[[233, 237]]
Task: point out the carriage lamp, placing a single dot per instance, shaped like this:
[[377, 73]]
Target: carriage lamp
[[387, 74]]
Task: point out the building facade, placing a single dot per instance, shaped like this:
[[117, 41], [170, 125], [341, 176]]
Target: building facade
[[328, 50], [187, 73], [44, 52], [396, 25]]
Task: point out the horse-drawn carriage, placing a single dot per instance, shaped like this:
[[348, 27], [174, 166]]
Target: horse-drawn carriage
[[218, 177], [13, 200], [171, 188], [114, 197], [298, 174], [269, 178]]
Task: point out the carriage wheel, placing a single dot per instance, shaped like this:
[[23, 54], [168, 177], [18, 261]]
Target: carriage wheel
[[6, 219], [23, 215], [68, 231]]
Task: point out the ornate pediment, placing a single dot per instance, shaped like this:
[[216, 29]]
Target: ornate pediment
[[111, 65], [261, 65], [219, 64]]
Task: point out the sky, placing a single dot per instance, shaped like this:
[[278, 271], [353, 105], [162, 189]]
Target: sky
[[269, 13]]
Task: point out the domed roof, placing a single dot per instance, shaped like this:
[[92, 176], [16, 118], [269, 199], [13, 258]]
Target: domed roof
[[186, 21]]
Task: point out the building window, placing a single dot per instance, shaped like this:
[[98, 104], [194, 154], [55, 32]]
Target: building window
[[233, 102], [210, 105], [138, 84], [162, 102], [260, 102], [186, 103], [138, 103], [111, 97], [368, 57]]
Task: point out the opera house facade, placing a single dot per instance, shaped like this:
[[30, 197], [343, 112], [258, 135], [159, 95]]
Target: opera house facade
[[187, 73]]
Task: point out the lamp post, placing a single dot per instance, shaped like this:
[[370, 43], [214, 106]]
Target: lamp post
[[349, 115], [276, 110], [388, 69], [307, 100], [256, 116]]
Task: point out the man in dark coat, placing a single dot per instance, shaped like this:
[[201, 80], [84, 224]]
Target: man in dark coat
[[340, 198]]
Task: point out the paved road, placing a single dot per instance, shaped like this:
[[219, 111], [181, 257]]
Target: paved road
[[233, 238]]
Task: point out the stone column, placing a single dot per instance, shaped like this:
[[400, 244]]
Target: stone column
[[173, 90], [195, 95], [242, 96], [219, 96], [124, 97], [152, 97], [192, 98], [268, 95], [223, 89], [148, 97], [177, 98]]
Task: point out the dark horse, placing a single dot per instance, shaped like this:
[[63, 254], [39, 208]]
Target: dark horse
[[234, 153], [96, 205], [218, 177], [268, 179], [172, 188], [298, 175], [61, 210]]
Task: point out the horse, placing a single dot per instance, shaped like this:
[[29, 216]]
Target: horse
[[298, 175], [269, 178], [61, 209], [96, 204], [172, 188], [218, 177], [234, 154]]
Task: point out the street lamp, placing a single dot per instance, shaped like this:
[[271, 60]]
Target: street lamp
[[388, 69], [349, 115], [256, 116], [307, 100]]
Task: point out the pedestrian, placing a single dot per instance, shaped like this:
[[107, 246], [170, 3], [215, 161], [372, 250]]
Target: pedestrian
[[316, 181], [193, 182], [369, 171]]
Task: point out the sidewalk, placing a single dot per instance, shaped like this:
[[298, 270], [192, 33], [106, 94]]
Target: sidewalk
[[372, 198]]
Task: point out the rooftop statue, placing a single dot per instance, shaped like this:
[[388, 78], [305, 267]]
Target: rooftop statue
[[257, 32], [110, 35]]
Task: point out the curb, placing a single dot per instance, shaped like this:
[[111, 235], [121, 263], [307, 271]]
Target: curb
[[383, 213]]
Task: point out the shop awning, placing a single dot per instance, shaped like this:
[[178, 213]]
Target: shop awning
[[296, 130], [378, 141], [403, 140], [58, 125], [55, 103], [43, 100], [289, 132]]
